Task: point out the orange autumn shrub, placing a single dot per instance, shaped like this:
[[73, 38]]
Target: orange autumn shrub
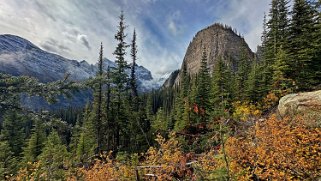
[[275, 149], [169, 160], [108, 170]]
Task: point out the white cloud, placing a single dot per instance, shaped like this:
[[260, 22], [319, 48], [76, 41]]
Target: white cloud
[[78, 27]]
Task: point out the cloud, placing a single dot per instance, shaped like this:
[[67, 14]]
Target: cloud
[[54, 46], [84, 41], [247, 17], [74, 29], [173, 25]]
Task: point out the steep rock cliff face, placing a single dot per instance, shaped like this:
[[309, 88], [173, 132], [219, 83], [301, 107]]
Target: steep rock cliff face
[[220, 42]]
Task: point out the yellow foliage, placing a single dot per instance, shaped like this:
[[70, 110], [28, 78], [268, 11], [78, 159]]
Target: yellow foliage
[[244, 111]]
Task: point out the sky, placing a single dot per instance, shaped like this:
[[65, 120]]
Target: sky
[[75, 28]]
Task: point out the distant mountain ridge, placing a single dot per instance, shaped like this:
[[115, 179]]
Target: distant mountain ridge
[[19, 56]]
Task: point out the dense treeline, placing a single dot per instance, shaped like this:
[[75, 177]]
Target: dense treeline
[[200, 125]]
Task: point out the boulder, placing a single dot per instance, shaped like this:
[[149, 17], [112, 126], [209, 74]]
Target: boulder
[[300, 103]]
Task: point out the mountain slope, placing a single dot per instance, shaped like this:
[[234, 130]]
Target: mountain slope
[[19, 56]]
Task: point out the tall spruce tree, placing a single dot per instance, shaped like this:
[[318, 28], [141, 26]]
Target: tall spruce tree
[[241, 75], [182, 111], [221, 89], [203, 90], [133, 81], [13, 132], [98, 112], [8, 163], [35, 143], [300, 46], [120, 81], [273, 33], [53, 159], [281, 85], [87, 142]]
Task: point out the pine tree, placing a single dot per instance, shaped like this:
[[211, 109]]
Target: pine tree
[[75, 136], [273, 33], [203, 90], [98, 113], [283, 23], [281, 85], [120, 81], [221, 88], [54, 158], [300, 46], [8, 163], [255, 84], [35, 143], [133, 83], [13, 132], [87, 139], [241, 76]]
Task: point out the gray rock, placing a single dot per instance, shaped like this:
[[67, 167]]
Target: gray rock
[[300, 103]]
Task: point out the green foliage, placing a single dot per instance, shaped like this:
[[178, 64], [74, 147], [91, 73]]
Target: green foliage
[[13, 131], [98, 115], [203, 91], [86, 143], [300, 47], [160, 123], [53, 159], [281, 85], [35, 143], [241, 75], [8, 163], [221, 88]]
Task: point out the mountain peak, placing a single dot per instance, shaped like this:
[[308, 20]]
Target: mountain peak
[[10, 42], [220, 41]]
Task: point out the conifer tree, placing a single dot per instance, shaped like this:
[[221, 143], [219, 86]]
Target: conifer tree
[[255, 87], [54, 158], [283, 23], [87, 139], [35, 143], [203, 90], [13, 132], [281, 85], [221, 88], [300, 46], [133, 83], [8, 163], [75, 136], [120, 81], [273, 32], [99, 117], [241, 76]]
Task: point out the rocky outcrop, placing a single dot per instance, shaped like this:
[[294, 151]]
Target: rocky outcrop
[[170, 81], [300, 103], [220, 42]]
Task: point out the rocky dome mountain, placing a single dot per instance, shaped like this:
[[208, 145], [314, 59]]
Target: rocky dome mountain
[[19, 56], [220, 41]]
